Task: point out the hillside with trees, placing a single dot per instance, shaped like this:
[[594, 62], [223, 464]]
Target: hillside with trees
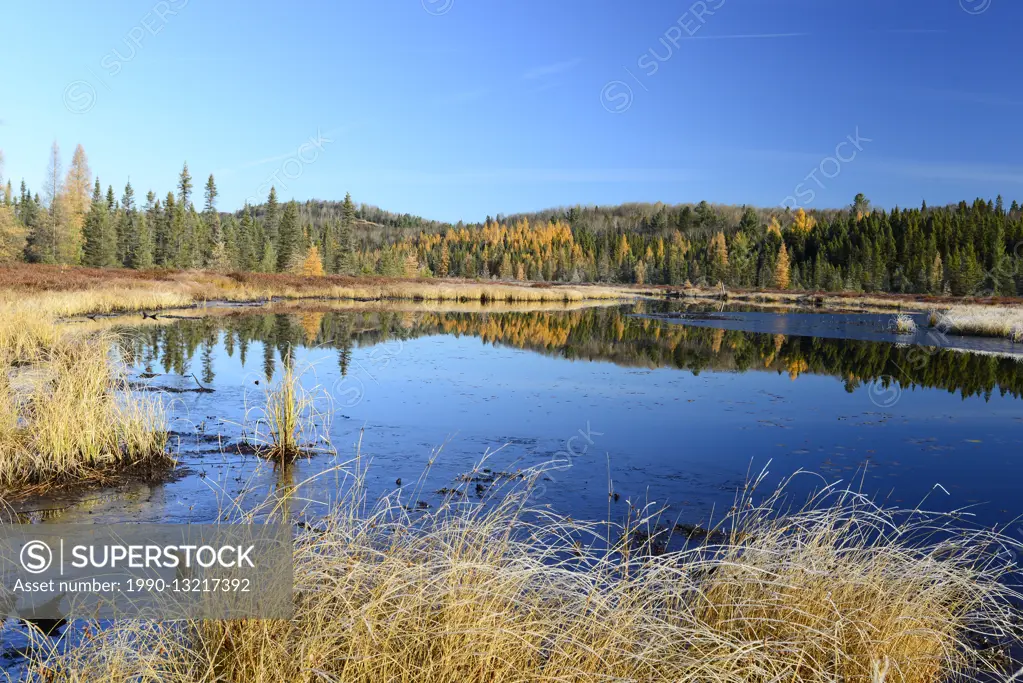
[[967, 248]]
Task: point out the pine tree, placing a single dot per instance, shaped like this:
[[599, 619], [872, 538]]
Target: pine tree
[[218, 258], [718, 257], [348, 211], [271, 220], [100, 239], [246, 242], [127, 228], [142, 250], [937, 274], [159, 222], [268, 263], [288, 239], [184, 186]]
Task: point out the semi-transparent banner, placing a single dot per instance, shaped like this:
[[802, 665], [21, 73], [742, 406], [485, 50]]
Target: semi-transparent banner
[[146, 571]]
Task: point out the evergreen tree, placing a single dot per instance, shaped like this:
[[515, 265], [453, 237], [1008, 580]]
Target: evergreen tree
[[127, 229], [246, 242], [271, 218], [218, 257], [288, 239], [100, 239], [142, 254], [184, 186]]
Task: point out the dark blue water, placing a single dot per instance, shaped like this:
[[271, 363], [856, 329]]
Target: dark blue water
[[661, 411]]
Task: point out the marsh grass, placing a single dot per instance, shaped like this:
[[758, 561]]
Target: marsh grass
[[62, 292], [841, 590], [292, 419], [983, 321], [65, 417], [904, 324]]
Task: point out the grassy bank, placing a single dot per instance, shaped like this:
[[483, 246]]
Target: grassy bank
[[983, 321], [872, 301], [70, 291], [841, 591], [63, 417]]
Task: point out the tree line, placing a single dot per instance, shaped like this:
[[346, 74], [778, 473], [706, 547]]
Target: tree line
[[966, 248]]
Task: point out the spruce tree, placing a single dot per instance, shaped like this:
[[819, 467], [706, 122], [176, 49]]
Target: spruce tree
[[142, 255], [184, 186], [288, 241], [246, 258], [271, 219], [217, 258], [100, 239]]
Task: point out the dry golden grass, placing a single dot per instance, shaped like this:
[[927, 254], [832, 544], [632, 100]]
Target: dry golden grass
[[904, 324], [63, 419], [72, 291], [841, 591], [290, 421], [880, 302], [983, 321]]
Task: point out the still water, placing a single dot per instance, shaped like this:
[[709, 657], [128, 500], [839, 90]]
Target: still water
[[662, 405]]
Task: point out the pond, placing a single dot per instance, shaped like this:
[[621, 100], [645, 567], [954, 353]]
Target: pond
[[651, 403]]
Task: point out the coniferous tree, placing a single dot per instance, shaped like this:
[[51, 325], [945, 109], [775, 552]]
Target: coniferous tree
[[271, 218], [126, 227], [782, 269], [76, 203], [288, 239], [142, 253], [100, 239], [218, 258], [56, 210], [246, 242]]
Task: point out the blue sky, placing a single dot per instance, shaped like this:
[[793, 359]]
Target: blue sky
[[456, 109]]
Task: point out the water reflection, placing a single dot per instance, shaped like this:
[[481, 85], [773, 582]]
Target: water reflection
[[609, 334]]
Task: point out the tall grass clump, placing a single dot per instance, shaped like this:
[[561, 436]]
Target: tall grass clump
[[904, 324], [65, 417], [840, 591], [291, 421]]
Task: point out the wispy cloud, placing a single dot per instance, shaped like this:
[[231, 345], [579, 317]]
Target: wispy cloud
[[990, 99], [528, 176], [952, 171], [280, 157], [464, 97], [551, 69], [748, 36], [928, 31]]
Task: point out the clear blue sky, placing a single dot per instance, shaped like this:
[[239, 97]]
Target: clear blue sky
[[455, 109]]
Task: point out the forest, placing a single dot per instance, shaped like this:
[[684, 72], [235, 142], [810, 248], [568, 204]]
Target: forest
[[973, 248]]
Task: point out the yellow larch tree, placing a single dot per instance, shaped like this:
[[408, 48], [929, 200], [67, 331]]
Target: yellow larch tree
[[76, 199], [782, 269], [313, 265], [803, 223]]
